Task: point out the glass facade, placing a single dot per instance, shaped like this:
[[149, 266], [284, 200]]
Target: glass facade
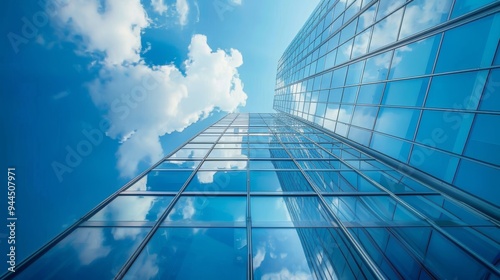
[[417, 81], [382, 162], [267, 196]]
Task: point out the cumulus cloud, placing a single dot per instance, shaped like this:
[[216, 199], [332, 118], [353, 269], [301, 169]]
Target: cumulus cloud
[[182, 8], [143, 102], [111, 27]]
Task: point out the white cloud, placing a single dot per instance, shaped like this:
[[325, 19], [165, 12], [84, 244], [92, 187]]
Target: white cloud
[[286, 274], [144, 102], [159, 6], [259, 257], [236, 2], [154, 101], [182, 8], [113, 28]]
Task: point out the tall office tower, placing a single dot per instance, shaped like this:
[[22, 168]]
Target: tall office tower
[[268, 196], [383, 163], [416, 81]]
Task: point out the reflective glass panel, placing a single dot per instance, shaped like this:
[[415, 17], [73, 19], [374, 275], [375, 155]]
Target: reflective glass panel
[[278, 181], [484, 139], [288, 211], [435, 13], [208, 209], [218, 181], [168, 181], [406, 92], [397, 122], [133, 208], [87, 253], [415, 59], [344, 181], [370, 211], [477, 51], [286, 254], [466, 88], [193, 253]]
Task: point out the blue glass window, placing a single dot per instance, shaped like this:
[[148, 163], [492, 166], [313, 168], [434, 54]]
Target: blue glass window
[[354, 73], [477, 51], [464, 6], [335, 95], [286, 254], [230, 210], [377, 67], [278, 181], [466, 88], [161, 181], [415, 59], [435, 163], [397, 122], [386, 31], [193, 253], [338, 79], [406, 92], [272, 164], [423, 14], [390, 146], [288, 211], [370, 211], [349, 95], [218, 181], [490, 100], [444, 130], [362, 136], [484, 139], [364, 116], [366, 19], [370, 94], [87, 253], [385, 7], [361, 42], [344, 52], [133, 208]]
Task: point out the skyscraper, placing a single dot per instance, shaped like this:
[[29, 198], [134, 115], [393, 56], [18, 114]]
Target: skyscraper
[[382, 163]]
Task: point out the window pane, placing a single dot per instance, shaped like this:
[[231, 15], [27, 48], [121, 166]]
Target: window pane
[[208, 209], [278, 181], [477, 51], [436, 163], [435, 13], [364, 116], [390, 146], [464, 6], [344, 181], [397, 122], [169, 181], [362, 136], [484, 139], [437, 130], [405, 93], [414, 59], [218, 181], [288, 211], [370, 94], [193, 253], [87, 253], [133, 208], [490, 101], [466, 89], [386, 31], [377, 67], [370, 211], [286, 254]]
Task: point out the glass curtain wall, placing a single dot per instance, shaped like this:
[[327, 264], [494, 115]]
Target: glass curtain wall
[[265, 196]]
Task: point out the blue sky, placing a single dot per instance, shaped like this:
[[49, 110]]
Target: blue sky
[[94, 92]]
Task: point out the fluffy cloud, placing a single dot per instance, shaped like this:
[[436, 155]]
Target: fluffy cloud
[[142, 102], [111, 27]]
